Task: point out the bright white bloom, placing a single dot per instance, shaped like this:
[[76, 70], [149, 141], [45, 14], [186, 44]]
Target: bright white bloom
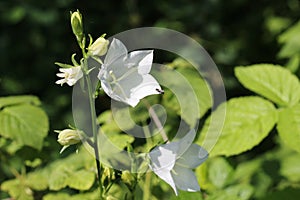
[[173, 162], [69, 75], [125, 77], [99, 47]]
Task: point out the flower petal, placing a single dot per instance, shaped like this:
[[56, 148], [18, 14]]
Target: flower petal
[[193, 157], [165, 175], [117, 50], [185, 179], [147, 87], [163, 157], [141, 59]]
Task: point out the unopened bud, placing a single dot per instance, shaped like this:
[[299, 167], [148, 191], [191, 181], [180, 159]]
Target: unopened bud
[[76, 23], [99, 47], [68, 137]]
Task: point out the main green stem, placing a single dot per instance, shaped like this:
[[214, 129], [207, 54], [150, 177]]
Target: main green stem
[[94, 129]]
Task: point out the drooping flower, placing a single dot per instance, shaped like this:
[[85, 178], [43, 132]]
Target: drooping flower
[[125, 77], [99, 47], [68, 137], [173, 162], [69, 75]]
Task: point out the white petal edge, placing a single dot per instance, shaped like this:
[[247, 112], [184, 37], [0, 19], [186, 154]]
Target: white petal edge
[[185, 179], [116, 50], [148, 87], [193, 157], [167, 177]]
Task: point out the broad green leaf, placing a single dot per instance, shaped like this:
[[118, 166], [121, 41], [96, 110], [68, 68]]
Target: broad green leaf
[[290, 167], [73, 171], [15, 100], [17, 189], [64, 196], [25, 124], [57, 196], [219, 172], [289, 127], [186, 93], [38, 180], [81, 180], [236, 192], [248, 121], [271, 81], [59, 178]]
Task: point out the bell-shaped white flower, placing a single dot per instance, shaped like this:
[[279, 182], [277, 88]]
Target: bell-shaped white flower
[[173, 162], [69, 75], [125, 77]]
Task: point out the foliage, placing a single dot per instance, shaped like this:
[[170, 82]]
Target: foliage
[[257, 153]]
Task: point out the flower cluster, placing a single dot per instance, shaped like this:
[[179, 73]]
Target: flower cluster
[[126, 77]]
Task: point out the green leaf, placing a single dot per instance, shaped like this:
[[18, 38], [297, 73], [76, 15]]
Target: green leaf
[[17, 189], [290, 167], [59, 178], [25, 124], [236, 192], [271, 81], [289, 127], [188, 94], [57, 196], [248, 121], [38, 180], [219, 172], [15, 100], [81, 180]]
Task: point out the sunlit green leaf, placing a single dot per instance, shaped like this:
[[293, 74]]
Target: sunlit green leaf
[[81, 180], [59, 178], [38, 180], [290, 167], [17, 190], [219, 172], [14, 100], [271, 81], [236, 192], [289, 126], [248, 121], [25, 124]]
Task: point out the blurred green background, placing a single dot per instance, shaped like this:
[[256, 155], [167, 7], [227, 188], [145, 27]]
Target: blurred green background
[[35, 34]]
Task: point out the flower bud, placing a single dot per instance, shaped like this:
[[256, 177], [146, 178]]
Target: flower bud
[[76, 23], [99, 47], [68, 137]]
